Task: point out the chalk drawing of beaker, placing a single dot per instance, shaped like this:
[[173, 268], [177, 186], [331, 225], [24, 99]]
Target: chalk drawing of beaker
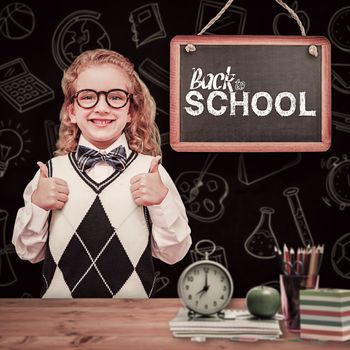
[[262, 242]]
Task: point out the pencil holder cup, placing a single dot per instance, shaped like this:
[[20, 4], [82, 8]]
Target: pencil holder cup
[[290, 286]]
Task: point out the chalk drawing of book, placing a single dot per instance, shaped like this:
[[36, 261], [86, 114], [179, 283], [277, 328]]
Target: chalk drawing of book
[[203, 192], [146, 24], [216, 252], [22, 89], [341, 121], [164, 138], [341, 77], [7, 274], [154, 73], [161, 113], [232, 21], [253, 168]]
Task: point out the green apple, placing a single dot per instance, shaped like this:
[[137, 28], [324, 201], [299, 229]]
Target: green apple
[[263, 301]]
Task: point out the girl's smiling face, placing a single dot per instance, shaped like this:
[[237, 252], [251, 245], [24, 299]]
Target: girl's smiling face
[[102, 124]]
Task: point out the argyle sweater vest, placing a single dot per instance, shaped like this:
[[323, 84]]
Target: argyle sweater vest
[[99, 243]]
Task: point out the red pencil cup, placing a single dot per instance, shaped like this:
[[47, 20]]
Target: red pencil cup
[[290, 286]]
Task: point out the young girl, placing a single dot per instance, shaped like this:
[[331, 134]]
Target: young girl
[[99, 210]]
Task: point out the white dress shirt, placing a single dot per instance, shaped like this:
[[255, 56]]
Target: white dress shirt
[[170, 231]]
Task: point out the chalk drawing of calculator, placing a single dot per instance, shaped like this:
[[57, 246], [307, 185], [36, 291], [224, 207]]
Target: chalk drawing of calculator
[[22, 89]]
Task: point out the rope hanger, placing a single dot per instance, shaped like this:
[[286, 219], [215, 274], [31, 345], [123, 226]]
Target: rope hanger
[[312, 48]]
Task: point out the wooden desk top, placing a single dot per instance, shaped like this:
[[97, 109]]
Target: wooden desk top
[[113, 324]]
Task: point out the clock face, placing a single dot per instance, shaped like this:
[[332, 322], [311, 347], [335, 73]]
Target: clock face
[[341, 182], [339, 29], [205, 287]]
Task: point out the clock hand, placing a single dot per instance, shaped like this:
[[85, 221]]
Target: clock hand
[[204, 287], [206, 280], [203, 291], [348, 27], [348, 177]]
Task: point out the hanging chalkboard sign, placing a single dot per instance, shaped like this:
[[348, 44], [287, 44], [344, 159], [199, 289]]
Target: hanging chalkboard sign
[[250, 94]]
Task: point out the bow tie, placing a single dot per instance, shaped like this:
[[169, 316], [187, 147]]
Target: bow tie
[[87, 158]]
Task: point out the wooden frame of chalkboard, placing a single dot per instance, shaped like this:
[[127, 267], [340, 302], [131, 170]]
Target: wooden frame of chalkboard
[[250, 94]]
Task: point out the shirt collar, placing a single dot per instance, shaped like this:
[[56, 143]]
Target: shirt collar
[[121, 141]]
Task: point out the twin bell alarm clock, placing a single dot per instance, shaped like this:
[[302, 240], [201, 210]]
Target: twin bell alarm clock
[[205, 287]]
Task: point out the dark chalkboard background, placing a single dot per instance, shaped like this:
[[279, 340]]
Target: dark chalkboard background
[[238, 185], [267, 68]]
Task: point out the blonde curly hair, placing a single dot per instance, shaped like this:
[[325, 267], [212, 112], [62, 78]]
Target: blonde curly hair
[[141, 132]]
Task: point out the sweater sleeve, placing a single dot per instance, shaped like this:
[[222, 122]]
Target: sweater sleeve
[[171, 238], [31, 227]]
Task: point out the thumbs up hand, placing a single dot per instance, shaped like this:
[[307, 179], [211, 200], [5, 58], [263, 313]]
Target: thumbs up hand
[[51, 193], [148, 189]]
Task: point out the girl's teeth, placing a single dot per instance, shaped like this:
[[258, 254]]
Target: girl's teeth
[[101, 122]]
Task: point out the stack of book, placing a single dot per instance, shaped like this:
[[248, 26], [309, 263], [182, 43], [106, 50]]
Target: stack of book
[[325, 314], [242, 326]]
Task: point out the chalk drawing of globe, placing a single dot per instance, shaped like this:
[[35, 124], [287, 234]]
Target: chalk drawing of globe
[[78, 32], [341, 256]]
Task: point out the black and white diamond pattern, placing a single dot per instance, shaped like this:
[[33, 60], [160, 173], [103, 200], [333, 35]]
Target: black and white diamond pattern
[[100, 252], [48, 269], [142, 269]]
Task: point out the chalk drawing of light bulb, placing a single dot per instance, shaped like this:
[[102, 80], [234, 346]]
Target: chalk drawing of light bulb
[[11, 146]]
